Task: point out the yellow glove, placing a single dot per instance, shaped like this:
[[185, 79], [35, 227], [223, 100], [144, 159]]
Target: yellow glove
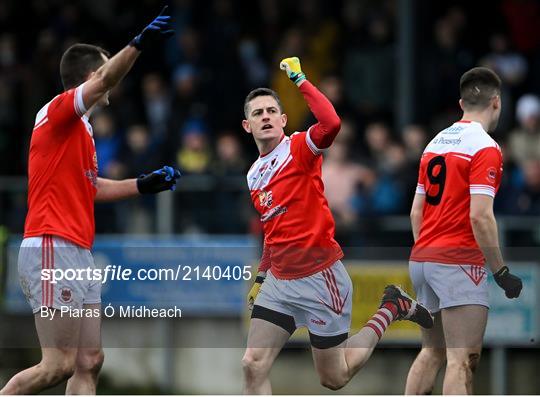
[[254, 291], [292, 67]]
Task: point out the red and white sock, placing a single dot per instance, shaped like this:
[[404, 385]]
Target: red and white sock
[[382, 319]]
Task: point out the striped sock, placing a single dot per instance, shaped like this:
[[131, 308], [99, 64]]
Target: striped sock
[[382, 319]]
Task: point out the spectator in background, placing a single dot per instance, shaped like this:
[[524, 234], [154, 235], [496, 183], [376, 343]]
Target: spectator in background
[[264, 22], [394, 181], [321, 33], [230, 201], [441, 68], [157, 105], [524, 141], [106, 140], [415, 139], [221, 38], [187, 101], [185, 48], [255, 68], [511, 66], [108, 146], [353, 16], [527, 197], [229, 156], [341, 178], [369, 70], [522, 18], [139, 155], [194, 156], [377, 138], [182, 17]]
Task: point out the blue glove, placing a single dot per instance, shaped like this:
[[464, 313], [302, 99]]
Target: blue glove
[[158, 30], [158, 181]]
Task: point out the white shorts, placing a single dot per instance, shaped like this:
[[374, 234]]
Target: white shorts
[[439, 286], [52, 252], [321, 302]]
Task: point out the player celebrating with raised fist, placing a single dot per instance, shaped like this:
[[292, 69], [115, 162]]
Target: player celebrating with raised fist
[[59, 231], [455, 234], [301, 280]]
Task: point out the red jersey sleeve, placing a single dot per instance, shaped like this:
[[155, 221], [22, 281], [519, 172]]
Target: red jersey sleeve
[[67, 107], [321, 135], [486, 171], [303, 153], [420, 186]]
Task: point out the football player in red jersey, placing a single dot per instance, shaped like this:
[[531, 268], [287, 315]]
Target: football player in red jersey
[[301, 280], [455, 234], [59, 228]]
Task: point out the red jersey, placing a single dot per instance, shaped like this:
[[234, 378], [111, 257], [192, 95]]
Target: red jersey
[[62, 172], [287, 190], [460, 161]]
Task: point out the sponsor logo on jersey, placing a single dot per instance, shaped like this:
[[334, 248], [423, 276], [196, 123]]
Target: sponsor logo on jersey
[[492, 174], [271, 214], [265, 198], [66, 295], [446, 141], [455, 129]]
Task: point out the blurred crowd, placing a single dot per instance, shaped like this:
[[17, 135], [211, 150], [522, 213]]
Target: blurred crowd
[[182, 103]]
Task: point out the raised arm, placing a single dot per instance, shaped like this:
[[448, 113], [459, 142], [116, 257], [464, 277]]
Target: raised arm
[[328, 124], [114, 70]]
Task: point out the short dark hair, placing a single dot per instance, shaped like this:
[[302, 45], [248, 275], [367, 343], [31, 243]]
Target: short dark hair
[[78, 61], [477, 86], [261, 92]]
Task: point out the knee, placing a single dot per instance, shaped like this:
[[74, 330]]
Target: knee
[[467, 363], [59, 370], [473, 360], [433, 357], [90, 361], [254, 367], [334, 382]]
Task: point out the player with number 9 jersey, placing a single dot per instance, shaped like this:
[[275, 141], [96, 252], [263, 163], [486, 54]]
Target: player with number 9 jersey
[[460, 161], [455, 233]]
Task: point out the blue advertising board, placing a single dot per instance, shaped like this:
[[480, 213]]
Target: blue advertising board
[[202, 276], [515, 321]]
